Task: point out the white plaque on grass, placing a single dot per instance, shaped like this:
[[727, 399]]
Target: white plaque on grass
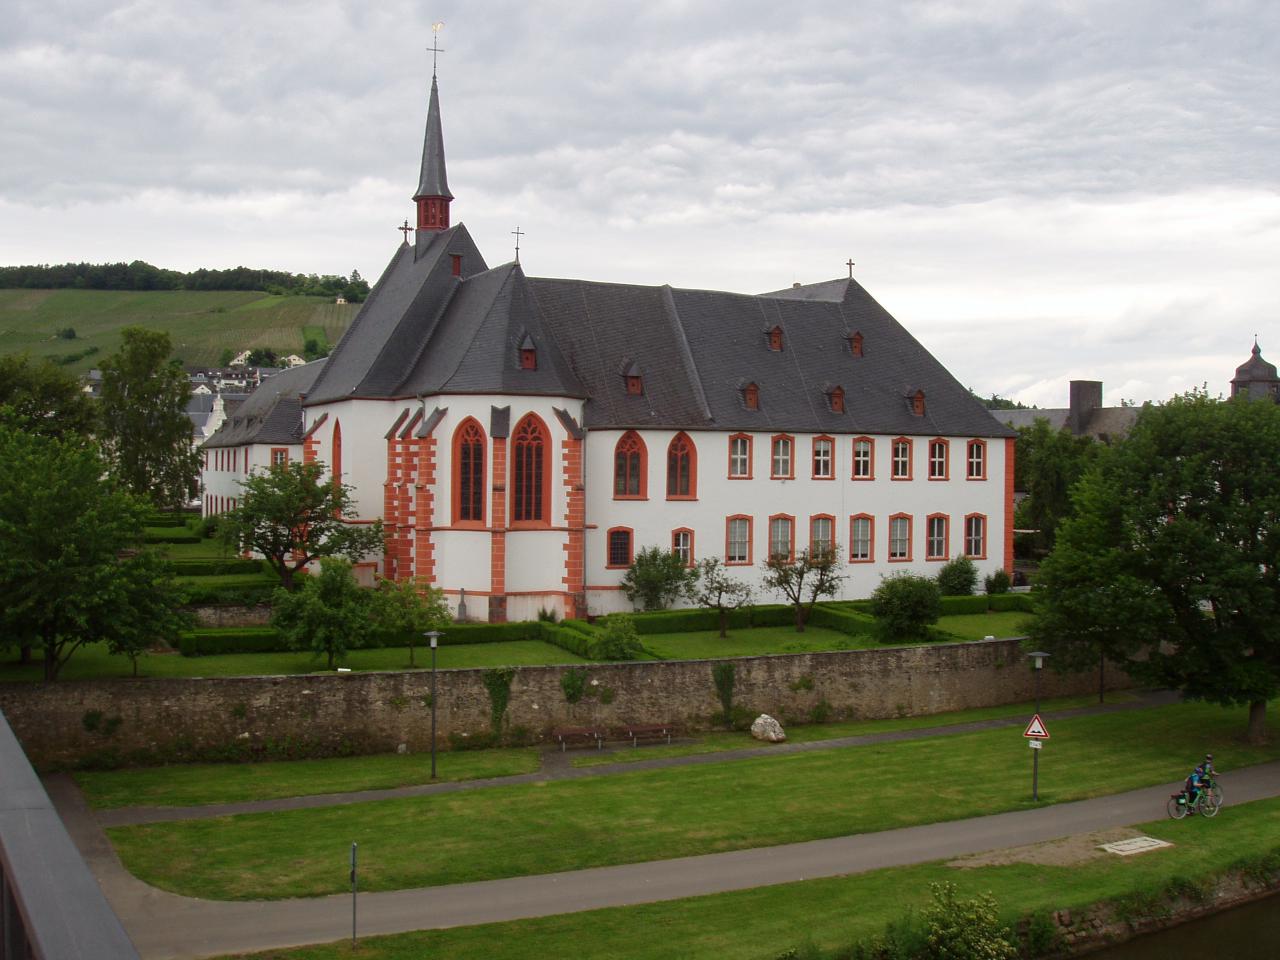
[[1127, 848]]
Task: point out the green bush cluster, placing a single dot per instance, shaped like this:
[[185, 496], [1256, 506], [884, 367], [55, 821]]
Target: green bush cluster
[[847, 621], [998, 582], [214, 567], [687, 621], [958, 578], [169, 535], [1004, 602], [207, 643], [957, 606]]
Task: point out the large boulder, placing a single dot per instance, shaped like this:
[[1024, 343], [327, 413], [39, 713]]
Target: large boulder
[[768, 729]]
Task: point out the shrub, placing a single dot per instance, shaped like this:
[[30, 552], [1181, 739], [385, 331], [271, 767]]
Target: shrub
[[953, 606], [498, 682], [998, 582], [904, 606], [207, 643], [575, 642], [957, 578], [620, 640], [656, 578], [724, 675], [965, 929], [1003, 602], [573, 681], [846, 621], [215, 567]]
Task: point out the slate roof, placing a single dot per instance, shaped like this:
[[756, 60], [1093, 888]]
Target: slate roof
[[1255, 369], [433, 182], [272, 413], [1101, 423]]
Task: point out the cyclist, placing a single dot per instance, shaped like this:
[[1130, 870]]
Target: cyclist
[[1203, 771]]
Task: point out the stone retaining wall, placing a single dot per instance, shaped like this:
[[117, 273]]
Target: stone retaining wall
[[69, 722], [236, 615]]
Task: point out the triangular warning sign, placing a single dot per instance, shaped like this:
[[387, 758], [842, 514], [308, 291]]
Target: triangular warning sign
[[1035, 729]]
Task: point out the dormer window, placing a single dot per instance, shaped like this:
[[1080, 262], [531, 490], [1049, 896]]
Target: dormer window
[[835, 398], [751, 396], [855, 344], [528, 354], [775, 339], [917, 403], [635, 386], [455, 260]]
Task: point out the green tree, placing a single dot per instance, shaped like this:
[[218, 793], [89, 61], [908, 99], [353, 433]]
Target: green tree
[[146, 434], [225, 358], [329, 614], [802, 580], [407, 610], [656, 578], [263, 357], [71, 568], [292, 515], [1172, 561], [620, 641], [957, 578], [38, 396], [1048, 463], [904, 606], [713, 587], [965, 929]]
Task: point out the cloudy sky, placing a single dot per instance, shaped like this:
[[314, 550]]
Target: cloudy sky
[[1040, 191]]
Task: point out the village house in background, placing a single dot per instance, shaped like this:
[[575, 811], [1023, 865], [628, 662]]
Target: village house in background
[[522, 438]]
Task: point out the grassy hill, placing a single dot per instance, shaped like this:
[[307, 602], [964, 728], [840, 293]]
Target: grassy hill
[[201, 323]]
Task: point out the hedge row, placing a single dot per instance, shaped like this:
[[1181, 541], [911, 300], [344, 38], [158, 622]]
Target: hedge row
[[695, 619], [246, 590], [166, 520], [572, 639], [212, 567], [1004, 602], [959, 606], [199, 643], [849, 622], [163, 535]]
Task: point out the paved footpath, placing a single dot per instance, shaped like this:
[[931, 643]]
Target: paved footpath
[[165, 925]]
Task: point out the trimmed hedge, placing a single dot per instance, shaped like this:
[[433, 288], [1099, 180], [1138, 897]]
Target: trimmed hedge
[[1020, 602], [848, 622], [695, 619], [213, 567], [164, 535], [236, 589], [958, 606], [571, 639], [231, 640]]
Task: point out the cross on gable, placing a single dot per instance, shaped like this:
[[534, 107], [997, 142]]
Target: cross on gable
[[849, 263], [406, 230]]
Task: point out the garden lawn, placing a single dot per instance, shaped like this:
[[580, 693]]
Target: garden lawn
[[193, 784], [762, 923], [575, 824], [750, 642], [93, 662], [976, 626], [722, 741]]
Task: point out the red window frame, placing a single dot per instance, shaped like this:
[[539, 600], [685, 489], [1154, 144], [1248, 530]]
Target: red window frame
[[970, 447], [750, 521], [791, 536], [631, 454], [813, 548], [528, 358], [790, 441], [894, 459], [775, 339], [682, 447], [750, 456], [835, 399], [675, 549], [455, 264], [635, 385], [279, 456], [531, 473], [831, 457], [871, 458], [968, 536], [917, 403], [608, 547], [468, 473], [871, 538], [855, 344], [945, 472], [910, 524], [751, 396], [929, 552]]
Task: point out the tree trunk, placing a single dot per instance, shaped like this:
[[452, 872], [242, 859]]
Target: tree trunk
[[1102, 678], [1257, 722], [286, 577], [50, 662], [24, 653], [724, 623], [799, 618]]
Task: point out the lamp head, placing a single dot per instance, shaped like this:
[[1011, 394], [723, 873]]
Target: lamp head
[[1038, 657]]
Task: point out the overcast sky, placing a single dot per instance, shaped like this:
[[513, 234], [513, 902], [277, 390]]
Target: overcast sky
[[1038, 191]]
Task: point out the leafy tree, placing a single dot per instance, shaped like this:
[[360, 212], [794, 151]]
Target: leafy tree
[[656, 578], [39, 397], [1172, 562], [957, 578], [225, 358], [713, 587], [408, 610], [904, 606], [329, 614], [71, 571], [965, 929], [997, 582], [1048, 463], [812, 574], [263, 357], [291, 515], [996, 402], [145, 431]]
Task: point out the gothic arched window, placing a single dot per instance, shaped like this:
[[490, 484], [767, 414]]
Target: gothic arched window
[[468, 472], [682, 468], [530, 451], [629, 468]]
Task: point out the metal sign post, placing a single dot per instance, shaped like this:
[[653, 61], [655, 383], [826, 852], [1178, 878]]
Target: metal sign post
[[353, 896]]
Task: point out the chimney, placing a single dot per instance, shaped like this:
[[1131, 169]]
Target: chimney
[[1086, 396]]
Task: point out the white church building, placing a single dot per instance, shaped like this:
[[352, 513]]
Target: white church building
[[522, 438]]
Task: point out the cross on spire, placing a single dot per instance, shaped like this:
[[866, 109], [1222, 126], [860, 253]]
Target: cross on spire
[[517, 233], [849, 263], [435, 47], [406, 230]]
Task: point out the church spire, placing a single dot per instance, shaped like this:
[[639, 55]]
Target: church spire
[[433, 196]]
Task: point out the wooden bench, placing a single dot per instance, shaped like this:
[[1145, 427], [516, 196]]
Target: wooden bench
[[585, 736], [635, 732]]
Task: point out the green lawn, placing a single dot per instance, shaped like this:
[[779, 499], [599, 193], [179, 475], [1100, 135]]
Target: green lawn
[[721, 741], [574, 824], [750, 642], [760, 924], [192, 784], [92, 662], [978, 625]]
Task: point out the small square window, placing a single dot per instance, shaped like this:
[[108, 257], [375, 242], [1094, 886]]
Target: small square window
[[635, 386], [528, 359]]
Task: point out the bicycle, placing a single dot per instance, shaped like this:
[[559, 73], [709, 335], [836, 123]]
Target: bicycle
[[1207, 803]]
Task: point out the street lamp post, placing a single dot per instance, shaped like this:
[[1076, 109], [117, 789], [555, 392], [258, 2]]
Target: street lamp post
[[1037, 659], [434, 637]]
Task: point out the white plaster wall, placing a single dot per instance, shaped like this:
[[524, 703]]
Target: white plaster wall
[[535, 560], [803, 497], [462, 560], [364, 447]]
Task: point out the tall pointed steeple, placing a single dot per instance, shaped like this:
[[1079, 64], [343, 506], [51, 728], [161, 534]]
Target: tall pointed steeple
[[433, 196]]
